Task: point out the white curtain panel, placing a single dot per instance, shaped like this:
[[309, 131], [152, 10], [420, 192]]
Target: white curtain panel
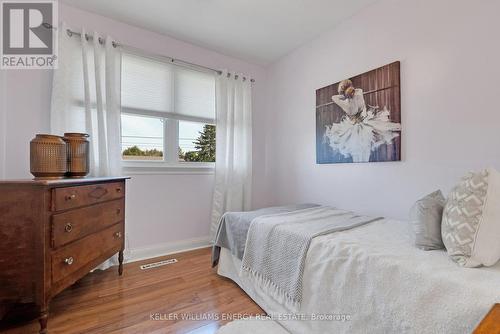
[[233, 162], [86, 98]]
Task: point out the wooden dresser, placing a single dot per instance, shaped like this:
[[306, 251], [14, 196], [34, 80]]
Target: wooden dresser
[[53, 232], [490, 323]]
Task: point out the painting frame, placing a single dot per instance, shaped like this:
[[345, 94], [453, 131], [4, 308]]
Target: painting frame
[[358, 120]]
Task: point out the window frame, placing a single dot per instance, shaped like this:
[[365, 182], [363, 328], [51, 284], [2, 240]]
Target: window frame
[[170, 163]]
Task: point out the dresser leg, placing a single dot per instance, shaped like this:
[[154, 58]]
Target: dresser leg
[[44, 318], [120, 263]]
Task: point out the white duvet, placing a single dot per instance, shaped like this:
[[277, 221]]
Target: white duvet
[[376, 278]]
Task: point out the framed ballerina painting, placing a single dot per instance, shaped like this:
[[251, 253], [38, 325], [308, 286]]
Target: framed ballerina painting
[[359, 119]]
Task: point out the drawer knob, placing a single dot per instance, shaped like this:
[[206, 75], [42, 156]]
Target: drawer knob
[[69, 261], [118, 190], [118, 211], [118, 235], [68, 227], [70, 197]]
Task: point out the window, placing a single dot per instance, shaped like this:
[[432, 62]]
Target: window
[[142, 137], [168, 114], [196, 142]]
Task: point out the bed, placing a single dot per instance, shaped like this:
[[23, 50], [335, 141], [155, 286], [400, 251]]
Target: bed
[[371, 279]]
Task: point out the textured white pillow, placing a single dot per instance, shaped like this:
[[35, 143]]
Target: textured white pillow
[[471, 220]]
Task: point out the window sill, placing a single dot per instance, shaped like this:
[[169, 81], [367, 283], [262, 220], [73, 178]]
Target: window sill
[[161, 168]]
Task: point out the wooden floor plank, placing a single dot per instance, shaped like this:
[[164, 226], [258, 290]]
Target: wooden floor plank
[[103, 302]]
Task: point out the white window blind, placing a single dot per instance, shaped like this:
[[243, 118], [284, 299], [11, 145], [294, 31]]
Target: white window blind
[[166, 90], [194, 93], [146, 84]]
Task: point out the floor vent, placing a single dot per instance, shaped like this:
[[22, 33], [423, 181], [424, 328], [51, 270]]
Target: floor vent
[[158, 264]]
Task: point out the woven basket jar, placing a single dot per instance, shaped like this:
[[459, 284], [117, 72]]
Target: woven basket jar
[[48, 156], [77, 146]]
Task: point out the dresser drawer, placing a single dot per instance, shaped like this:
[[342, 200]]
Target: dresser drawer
[[74, 197], [78, 223], [74, 256]]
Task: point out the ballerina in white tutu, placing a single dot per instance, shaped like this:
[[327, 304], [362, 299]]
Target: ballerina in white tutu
[[362, 129]]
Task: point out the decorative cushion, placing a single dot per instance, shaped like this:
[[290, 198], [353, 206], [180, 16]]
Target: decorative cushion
[[471, 220], [426, 215]]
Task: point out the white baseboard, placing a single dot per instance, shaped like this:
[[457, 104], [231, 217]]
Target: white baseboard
[[143, 253]]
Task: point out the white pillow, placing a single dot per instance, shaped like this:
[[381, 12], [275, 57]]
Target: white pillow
[[471, 220], [425, 218]]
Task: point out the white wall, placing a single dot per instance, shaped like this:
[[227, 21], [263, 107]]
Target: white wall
[[451, 119], [164, 212], [3, 125]]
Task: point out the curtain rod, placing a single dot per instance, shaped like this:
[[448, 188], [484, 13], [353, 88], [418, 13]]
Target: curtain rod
[[169, 59]]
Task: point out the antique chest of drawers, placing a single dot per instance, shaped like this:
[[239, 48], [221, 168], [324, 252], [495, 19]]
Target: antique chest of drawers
[[53, 232]]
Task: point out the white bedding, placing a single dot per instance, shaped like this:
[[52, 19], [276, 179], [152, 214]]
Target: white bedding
[[375, 276]]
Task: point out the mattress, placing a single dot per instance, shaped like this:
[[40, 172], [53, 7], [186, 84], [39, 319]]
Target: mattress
[[372, 280]]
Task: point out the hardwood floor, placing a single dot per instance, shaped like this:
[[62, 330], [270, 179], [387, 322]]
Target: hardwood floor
[[103, 302]]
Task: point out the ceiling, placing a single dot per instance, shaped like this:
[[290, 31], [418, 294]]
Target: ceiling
[[258, 31]]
